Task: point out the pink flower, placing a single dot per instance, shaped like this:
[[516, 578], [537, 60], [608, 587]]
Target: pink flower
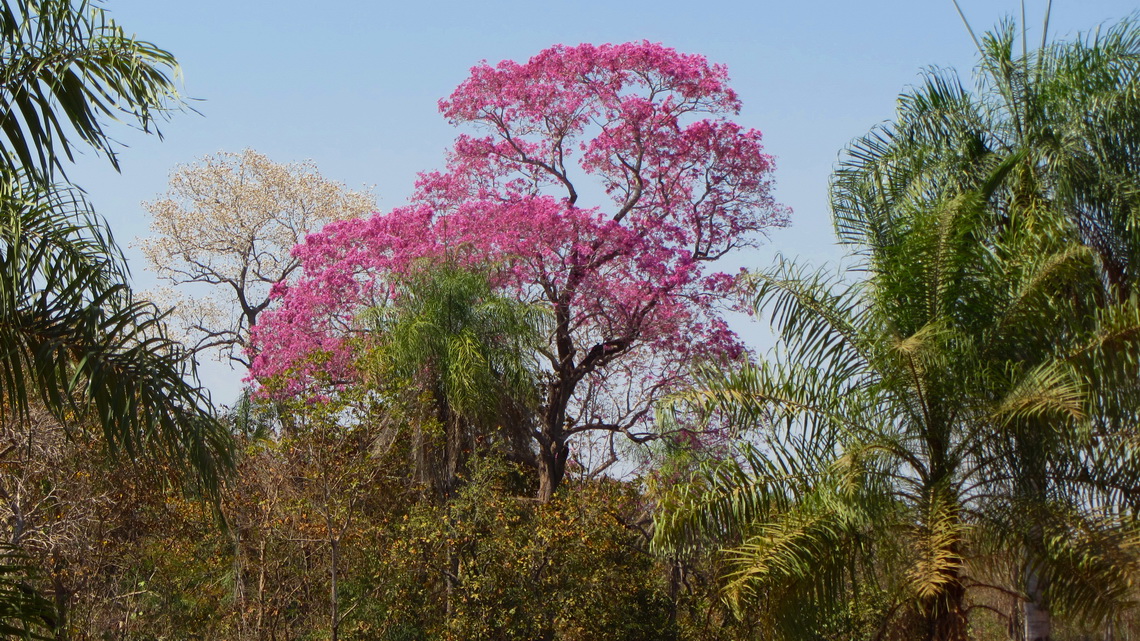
[[628, 278]]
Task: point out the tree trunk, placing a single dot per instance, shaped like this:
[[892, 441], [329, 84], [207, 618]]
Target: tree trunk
[[951, 626], [946, 614], [551, 466], [1038, 622], [945, 610], [334, 589], [553, 450]]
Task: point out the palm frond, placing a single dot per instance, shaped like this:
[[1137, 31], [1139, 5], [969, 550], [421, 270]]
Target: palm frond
[[1052, 390], [72, 337], [67, 70]]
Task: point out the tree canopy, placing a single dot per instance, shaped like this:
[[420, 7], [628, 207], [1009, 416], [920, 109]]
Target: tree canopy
[[628, 283]]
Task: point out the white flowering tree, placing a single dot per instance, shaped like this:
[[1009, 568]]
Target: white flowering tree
[[228, 222]]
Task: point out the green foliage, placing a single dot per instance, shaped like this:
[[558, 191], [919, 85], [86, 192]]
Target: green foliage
[[71, 335], [24, 613], [455, 361], [448, 331], [568, 569], [574, 568], [74, 339], [963, 419]]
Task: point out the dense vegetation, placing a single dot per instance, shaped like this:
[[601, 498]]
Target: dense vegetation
[[503, 413]]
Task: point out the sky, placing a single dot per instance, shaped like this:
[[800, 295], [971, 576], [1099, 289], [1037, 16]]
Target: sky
[[353, 86]]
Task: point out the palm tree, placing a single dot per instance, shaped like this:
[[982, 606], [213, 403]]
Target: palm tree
[[465, 355], [460, 360], [1068, 113], [72, 337], [896, 429]]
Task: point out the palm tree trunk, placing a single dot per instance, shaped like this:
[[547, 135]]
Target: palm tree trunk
[[950, 624], [946, 609], [946, 613], [1038, 621]]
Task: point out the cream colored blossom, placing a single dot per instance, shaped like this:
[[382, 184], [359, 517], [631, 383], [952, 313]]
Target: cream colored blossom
[[223, 234]]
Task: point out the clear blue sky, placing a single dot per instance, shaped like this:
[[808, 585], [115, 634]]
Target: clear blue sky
[[353, 85]]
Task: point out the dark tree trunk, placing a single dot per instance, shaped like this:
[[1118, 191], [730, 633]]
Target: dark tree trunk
[[947, 618], [553, 441], [551, 466]]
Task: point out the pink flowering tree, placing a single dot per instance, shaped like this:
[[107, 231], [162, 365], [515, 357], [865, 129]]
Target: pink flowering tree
[[638, 130]]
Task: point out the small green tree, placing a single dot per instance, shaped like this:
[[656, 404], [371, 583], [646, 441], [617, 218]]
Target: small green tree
[[460, 359]]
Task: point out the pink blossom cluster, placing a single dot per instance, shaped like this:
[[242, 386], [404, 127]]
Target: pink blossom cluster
[[640, 127]]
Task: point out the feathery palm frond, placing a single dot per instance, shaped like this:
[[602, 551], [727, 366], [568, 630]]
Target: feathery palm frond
[[73, 338], [67, 69], [24, 613]]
